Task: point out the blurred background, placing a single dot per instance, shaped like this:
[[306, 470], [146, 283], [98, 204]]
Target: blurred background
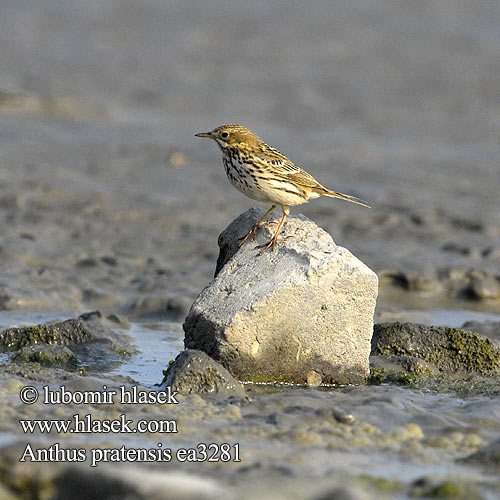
[[396, 102], [109, 203]]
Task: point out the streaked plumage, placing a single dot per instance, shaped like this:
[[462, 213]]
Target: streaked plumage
[[264, 174]]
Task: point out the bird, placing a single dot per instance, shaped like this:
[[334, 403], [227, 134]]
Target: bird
[[264, 174]]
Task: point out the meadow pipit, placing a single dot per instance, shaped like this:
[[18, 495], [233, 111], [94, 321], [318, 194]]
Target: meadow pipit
[[264, 174]]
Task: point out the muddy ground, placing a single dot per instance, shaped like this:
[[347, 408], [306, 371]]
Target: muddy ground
[[108, 202]]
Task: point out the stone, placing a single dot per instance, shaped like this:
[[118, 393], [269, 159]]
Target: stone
[[147, 306], [403, 364], [403, 370], [47, 354], [452, 488], [83, 337], [482, 286], [490, 329], [195, 372], [450, 350], [307, 307]]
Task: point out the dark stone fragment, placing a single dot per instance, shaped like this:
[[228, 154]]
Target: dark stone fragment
[[451, 350], [396, 278], [467, 224], [341, 493], [89, 262], [50, 355], [71, 332], [482, 286], [108, 259], [195, 372]]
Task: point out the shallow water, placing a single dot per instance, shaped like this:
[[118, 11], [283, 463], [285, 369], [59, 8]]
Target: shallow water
[[158, 343]]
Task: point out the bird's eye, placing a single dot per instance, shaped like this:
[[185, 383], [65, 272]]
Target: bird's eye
[[224, 135]]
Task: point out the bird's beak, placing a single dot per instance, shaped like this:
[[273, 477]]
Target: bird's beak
[[204, 134]]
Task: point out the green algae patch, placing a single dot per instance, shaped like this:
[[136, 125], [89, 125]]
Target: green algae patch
[[16, 338], [450, 350], [384, 376], [452, 490], [48, 355], [381, 484], [70, 332]]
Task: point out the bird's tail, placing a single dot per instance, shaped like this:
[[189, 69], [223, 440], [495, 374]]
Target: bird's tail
[[346, 197]]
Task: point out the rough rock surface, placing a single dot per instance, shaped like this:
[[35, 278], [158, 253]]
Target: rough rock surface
[[404, 364], [195, 372], [490, 329], [82, 342], [47, 354], [69, 333], [303, 312], [451, 350]]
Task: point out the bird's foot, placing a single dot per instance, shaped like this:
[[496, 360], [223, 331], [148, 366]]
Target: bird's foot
[[270, 244], [253, 232]]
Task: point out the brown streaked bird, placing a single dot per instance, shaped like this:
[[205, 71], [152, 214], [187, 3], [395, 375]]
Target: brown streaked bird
[[264, 174]]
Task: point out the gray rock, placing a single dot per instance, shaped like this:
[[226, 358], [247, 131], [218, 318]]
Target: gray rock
[[308, 307], [53, 355], [195, 372], [451, 350], [119, 320], [482, 286], [337, 415], [433, 486], [406, 364], [69, 333], [490, 329]]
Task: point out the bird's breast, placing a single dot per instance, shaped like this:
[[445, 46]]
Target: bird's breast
[[243, 179]]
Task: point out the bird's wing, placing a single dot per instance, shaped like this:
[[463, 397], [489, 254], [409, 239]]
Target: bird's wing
[[283, 168], [278, 162], [302, 178]]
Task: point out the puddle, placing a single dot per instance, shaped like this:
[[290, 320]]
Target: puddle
[[457, 318], [157, 344], [438, 317]]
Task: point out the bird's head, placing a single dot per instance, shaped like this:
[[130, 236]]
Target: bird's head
[[227, 136]]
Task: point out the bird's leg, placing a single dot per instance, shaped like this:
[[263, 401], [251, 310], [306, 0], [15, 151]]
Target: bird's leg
[[275, 238], [256, 226]]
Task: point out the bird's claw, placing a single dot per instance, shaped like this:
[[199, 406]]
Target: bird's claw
[[253, 232], [270, 244]]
